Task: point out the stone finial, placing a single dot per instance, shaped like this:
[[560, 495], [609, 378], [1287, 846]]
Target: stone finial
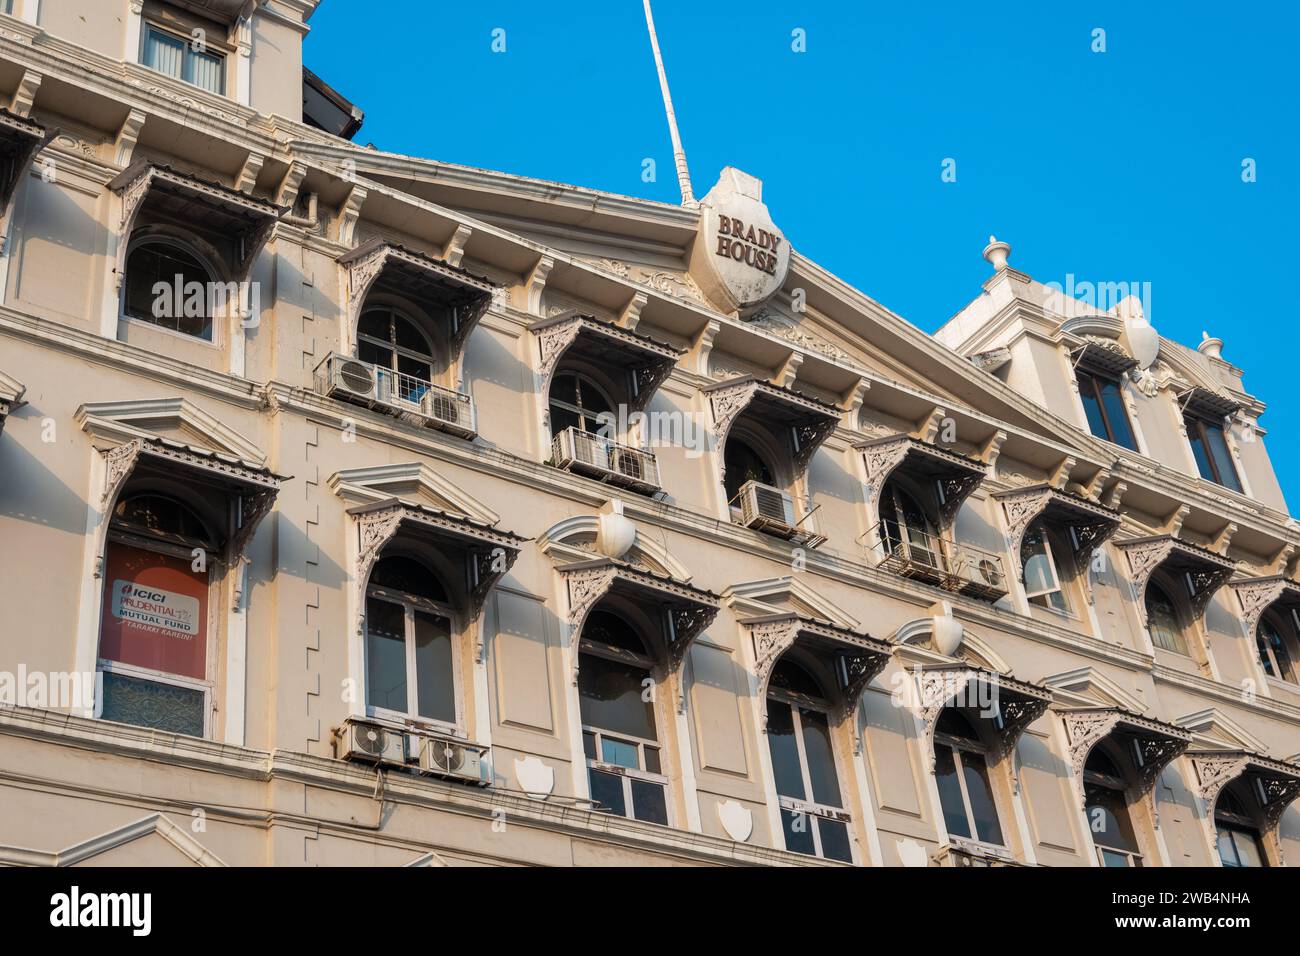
[[997, 253], [1210, 346]]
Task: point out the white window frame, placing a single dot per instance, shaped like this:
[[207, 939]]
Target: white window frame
[[1058, 587], [1268, 648], [150, 27], [208, 684], [1113, 784], [584, 380], [410, 603], [627, 774], [960, 746], [809, 807], [214, 277], [430, 359], [1185, 648]]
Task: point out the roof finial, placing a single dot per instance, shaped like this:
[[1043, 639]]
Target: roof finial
[[997, 253], [679, 153], [1210, 346]]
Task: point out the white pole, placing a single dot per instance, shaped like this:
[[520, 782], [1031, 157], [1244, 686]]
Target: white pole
[[679, 154]]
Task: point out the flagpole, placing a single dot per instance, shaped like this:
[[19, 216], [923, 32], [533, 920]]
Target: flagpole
[[679, 154]]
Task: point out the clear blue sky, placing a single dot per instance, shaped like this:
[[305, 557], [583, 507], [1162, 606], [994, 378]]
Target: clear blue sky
[[1115, 166]]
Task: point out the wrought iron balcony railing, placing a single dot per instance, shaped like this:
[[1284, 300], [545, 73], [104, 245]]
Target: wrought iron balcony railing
[[961, 568]]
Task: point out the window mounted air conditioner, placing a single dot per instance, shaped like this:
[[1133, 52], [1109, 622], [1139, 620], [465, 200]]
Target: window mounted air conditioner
[[357, 380], [441, 406], [367, 742], [452, 760]]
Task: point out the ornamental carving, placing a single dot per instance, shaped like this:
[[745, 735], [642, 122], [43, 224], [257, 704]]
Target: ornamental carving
[[880, 459], [1256, 597], [1018, 708], [1279, 782], [1157, 744], [729, 402], [786, 328], [1091, 525], [653, 367]]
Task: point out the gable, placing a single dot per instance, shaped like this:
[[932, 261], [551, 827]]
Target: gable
[[177, 419]]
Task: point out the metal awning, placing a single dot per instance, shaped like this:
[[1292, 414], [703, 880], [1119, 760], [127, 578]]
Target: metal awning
[[1257, 595], [229, 12], [11, 397], [1204, 571], [20, 140], [420, 278], [956, 474], [487, 553], [1090, 523], [577, 335], [1106, 358], [1011, 705], [1208, 404], [856, 658], [1150, 744], [254, 484], [247, 220], [809, 421], [687, 610], [1276, 782]]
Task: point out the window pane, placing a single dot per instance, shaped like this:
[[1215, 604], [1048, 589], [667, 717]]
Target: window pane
[[981, 798], [589, 744], [620, 753], [386, 655], [611, 697], [607, 791], [785, 751], [835, 840], [435, 681], [821, 759], [1040, 576], [1162, 620], [651, 760], [207, 71], [1199, 451], [145, 703], [798, 832], [1222, 457], [1092, 406], [164, 53], [185, 304], [1227, 851], [954, 808], [1269, 637], [649, 803], [1111, 858], [1108, 819], [1117, 415]]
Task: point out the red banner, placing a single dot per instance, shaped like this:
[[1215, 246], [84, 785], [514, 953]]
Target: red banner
[[155, 612]]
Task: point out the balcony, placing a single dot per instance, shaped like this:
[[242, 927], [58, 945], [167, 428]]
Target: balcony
[[595, 456], [409, 398], [941, 562]]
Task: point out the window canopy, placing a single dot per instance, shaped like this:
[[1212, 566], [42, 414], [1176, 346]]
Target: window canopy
[[378, 264], [956, 475], [1104, 358], [1276, 783], [485, 553], [11, 397], [1150, 744], [1257, 595], [1090, 522], [255, 486], [855, 658], [1204, 571], [575, 335], [686, 611], [808, 421], [245, 219], [1009, 705], [1208, 404]]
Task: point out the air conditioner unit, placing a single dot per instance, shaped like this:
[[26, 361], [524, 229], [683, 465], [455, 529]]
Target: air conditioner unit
[[354, 379], [370, 743], [765, 508], [443, 407], [452, 760]]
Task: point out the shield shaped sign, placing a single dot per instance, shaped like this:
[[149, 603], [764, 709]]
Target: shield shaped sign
[[740, 258]]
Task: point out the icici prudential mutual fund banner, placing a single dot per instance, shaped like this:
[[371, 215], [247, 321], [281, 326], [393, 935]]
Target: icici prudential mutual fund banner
[[155, 612]]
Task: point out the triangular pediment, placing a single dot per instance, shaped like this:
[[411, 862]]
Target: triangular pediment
[[151, 841], [175, 419], [1214, 729], [11, 390], [1088, 687], [775, 595], [413, 482]]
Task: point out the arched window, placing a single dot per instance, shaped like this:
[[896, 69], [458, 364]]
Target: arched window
[[391, 339], [154, 648], [1106, 807], [619, 735], [961, 772], [1163, 621], [577, 402], [1046, 568], [1274, 649], [410, 654], [168, 284], [744, 464], [1236, 828], [803, 764], [906, 527]]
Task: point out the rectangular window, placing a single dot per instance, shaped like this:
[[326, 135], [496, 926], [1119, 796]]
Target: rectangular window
[[1103, 404], [410, 670], [1042, 578], [966, 795], [1210, 449], [184, 59], [803, 764]]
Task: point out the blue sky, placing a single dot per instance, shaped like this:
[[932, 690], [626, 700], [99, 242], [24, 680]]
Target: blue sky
[[1117, 166]]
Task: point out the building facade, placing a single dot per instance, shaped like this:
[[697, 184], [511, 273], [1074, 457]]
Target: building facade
[[364, 509]]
